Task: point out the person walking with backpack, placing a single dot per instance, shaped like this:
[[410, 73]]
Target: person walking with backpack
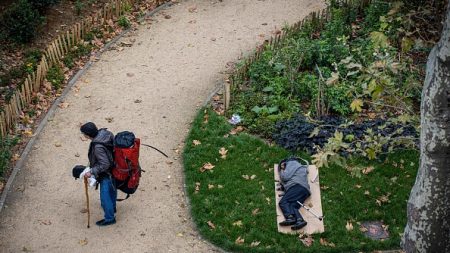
[[101, 161], [294, 183]]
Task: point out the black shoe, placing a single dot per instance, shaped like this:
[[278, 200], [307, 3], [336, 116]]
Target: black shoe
[[299, 225], [103, 223], [288, 222]]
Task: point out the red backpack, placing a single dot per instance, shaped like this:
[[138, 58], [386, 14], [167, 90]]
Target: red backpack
[[126, 170]]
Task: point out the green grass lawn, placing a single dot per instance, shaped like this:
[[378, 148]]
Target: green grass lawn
[[225, 205]]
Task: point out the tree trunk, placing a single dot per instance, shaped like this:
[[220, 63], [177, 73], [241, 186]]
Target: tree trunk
[[428, 227]]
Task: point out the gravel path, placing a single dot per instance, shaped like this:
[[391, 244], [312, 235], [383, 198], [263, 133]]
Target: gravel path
[[154, 89]]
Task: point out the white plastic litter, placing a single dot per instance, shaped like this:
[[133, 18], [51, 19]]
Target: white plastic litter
[[235, 119]]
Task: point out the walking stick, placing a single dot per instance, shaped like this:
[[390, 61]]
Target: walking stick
[[310, 211], [87, 201]]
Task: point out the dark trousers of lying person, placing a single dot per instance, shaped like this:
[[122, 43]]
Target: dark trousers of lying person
[[294, 182]]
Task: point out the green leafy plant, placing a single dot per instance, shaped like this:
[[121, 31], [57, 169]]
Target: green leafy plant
[[124, 22], [20, 22], [55, 76], [79, 7], [6, 143]]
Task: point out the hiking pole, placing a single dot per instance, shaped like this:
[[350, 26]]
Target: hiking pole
[[311, 212], [155, 149], [87, 201]]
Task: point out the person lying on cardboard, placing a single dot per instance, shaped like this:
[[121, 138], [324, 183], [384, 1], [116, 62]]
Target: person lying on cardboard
[[294, 183]]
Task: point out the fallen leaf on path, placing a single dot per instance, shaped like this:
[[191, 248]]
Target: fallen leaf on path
[[211, 225], [169, 162], [324, 242], [130, 74], [196, 142], [206, 166], [28, 133], [15, 157], [109, 119], [137, 101], [349, 226], [307, 240], [192, 9], [83, 242], [223, 153], [239, 240], [192, 22], [180, 235], [58, 145], [63, 105], [84, 210], [45, 222], [255, 243], [167, 16]]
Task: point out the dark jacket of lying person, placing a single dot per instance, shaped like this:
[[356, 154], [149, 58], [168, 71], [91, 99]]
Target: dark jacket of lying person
[[294, 183]]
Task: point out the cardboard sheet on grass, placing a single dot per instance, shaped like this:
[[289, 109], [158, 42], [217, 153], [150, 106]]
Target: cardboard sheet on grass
[[313, 202]]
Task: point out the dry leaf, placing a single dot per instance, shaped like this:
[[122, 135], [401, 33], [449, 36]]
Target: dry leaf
[[237, 223], [366, 193], [211, 225], [197, 187], [45, 222], [255, 243], [205, 118], [130, 74], [324, 242], [84, 210], [223, 153], [367, 170], [252, 177], [236, 130], [358, 186], [83, 242], [307, 240], [15, 157], [246, 177], [206, 166], [268, 200], [180, 235], [255, 212], [216, 97], [169, 162], [63, 105], [192, 9], [109, 119], [239, 240], [210, 186], [349, 226], [28, 133], [58, 145], [196, 142], [167, 16], [220, 186], [363, 229]]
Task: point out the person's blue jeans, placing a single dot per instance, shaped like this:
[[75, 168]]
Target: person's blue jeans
[[288, 203], [108, 196]]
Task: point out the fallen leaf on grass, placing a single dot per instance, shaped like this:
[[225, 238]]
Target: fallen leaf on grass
[[252, 177], [197, 187], [83, 242], [349, 226], [366, 193], [307, 240], [358, 186], [367, 170], [246, 177], [223, 153], [206, 166], [255, 212], [211, 225], [268, 200], [220, 186], [239, 240], [324, 242], [255, 243], [363, 229], [236, 130], [205, 117], [237, 223], [196, 142], [210, 186]]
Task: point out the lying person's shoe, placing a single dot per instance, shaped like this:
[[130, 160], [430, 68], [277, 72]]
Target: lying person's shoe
[[290, 220], [299, 224], [102, 222]]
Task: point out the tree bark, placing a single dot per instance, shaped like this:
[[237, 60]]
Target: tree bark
[[428, 226]]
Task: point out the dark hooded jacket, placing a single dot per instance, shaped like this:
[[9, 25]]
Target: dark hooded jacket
[[100, 154]]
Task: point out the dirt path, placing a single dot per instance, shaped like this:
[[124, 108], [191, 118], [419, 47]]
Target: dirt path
[[154, 89]]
